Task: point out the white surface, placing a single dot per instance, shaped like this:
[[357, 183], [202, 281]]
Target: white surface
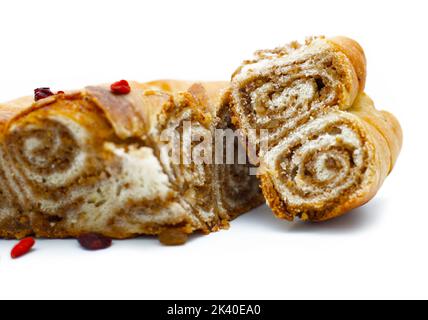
[[378, 251]]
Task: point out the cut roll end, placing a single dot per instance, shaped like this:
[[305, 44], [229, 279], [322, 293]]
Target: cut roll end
[[326, 168], [355, 53], [284, 88], [325, 148]]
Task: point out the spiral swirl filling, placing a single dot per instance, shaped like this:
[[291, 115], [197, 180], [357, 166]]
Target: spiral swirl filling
[[185, 160], [49, 167], [320, 164], [285, 94]]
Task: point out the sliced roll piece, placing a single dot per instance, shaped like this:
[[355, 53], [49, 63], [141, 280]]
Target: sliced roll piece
[[322, 147], [237, 189], [91, 162], [219, 191]]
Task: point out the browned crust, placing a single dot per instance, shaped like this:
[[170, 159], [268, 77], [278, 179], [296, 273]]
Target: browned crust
[[274, 199], [355, 54], [122, 111], [394, 137], [11, 109], [212, 89], [385, 123], [41, 232]]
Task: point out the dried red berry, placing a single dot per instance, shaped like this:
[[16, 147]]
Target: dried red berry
[[42, 93], [121, 87], [93, 241], [23, 247]]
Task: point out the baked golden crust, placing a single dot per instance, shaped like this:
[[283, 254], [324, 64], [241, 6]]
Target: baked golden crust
[[328, 149], [384, 122], [91, 161], [355, 53]]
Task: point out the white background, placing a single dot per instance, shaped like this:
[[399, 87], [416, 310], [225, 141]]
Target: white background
[[378, 251]]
